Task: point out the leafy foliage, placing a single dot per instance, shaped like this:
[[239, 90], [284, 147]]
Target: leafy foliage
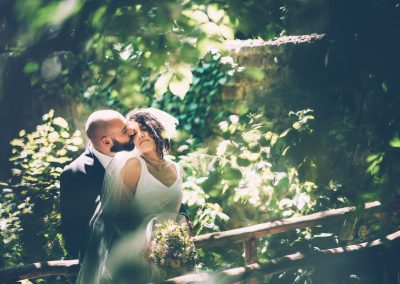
[[246, 180], [108, 47], [29, 200], [203, 106], [240, 170]]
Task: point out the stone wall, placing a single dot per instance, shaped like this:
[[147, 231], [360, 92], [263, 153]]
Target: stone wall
[[285, 65]]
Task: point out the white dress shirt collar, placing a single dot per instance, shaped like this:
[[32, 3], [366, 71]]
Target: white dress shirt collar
[[104, 159]]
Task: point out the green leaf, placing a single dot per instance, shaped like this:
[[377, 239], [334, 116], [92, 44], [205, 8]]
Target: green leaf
[[241, 108], [161, 85], [212, 179], [98, 16], [395, 142], [384, 87], [196, 15], [183, 72], [374, 168], [373, 157], [255, 148], [284, 133], [243, 162], [230, 173], [77, 141], [255, 73], [228, 33], [296, 125], [31, 67], [285, 150], [179, 88], [60, 122], [281, 182], [214, 13], [21, 133]]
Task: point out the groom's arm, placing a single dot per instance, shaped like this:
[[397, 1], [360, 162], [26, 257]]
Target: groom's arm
[[184, 212], [68, 198]]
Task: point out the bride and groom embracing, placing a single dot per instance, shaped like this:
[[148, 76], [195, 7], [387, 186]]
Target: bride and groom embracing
[[112, 192]]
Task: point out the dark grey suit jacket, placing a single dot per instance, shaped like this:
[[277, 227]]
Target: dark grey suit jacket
[[81, 183]]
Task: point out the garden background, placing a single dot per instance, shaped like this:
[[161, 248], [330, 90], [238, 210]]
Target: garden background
[[286, 107]]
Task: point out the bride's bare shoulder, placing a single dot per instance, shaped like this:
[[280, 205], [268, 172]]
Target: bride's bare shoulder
[[132, 170]]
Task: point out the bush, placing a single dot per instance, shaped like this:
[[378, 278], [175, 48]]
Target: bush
[[29, 212], [243, 178]]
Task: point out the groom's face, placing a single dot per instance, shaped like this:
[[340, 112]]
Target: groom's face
[[118, 146], [121, 136]]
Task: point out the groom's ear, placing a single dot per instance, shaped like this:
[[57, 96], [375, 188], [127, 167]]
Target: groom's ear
[[106, 141]]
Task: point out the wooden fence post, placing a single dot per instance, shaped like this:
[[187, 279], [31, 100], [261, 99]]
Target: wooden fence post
[[250, 251], [250, 256]]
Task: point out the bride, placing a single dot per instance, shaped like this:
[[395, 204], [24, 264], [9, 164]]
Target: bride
[[138, 186]]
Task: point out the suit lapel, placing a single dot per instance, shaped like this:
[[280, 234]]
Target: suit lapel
[[94, 170], [92, 164]]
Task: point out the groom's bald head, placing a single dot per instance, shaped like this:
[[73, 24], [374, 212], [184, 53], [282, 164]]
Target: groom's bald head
[[109, 132], [100, 122]]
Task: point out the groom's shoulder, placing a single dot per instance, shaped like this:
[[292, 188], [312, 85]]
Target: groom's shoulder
[[78, 165]]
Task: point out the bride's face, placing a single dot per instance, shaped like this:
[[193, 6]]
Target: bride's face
[[141, 138]]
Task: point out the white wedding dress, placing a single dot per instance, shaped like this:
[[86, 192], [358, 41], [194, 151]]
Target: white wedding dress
[[120, 228]]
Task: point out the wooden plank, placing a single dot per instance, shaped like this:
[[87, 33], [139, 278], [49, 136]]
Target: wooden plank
[[292, 261], [40, 269], [270, 228]]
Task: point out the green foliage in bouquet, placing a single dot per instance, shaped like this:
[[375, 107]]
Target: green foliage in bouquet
[[29, 214], [172, 248]]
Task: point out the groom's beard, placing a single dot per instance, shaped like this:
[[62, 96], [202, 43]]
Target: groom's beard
[[118, 147]]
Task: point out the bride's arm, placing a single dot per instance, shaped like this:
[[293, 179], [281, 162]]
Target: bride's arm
[[131, 174], [124, 216]]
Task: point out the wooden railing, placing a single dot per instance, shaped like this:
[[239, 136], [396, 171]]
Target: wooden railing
[[248, 236], [291, 261]]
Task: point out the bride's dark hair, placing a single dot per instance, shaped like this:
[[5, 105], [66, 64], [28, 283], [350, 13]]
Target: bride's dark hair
[[154, 127]]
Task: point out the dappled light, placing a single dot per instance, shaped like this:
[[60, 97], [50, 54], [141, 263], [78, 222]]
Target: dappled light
[[285, 154]]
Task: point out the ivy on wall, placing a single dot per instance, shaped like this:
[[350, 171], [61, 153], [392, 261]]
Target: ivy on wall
[[200, 110]]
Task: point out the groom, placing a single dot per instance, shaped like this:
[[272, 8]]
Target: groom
[[82, 180]]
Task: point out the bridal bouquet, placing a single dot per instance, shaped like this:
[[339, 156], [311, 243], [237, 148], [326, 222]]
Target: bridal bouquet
[[172, 249]]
